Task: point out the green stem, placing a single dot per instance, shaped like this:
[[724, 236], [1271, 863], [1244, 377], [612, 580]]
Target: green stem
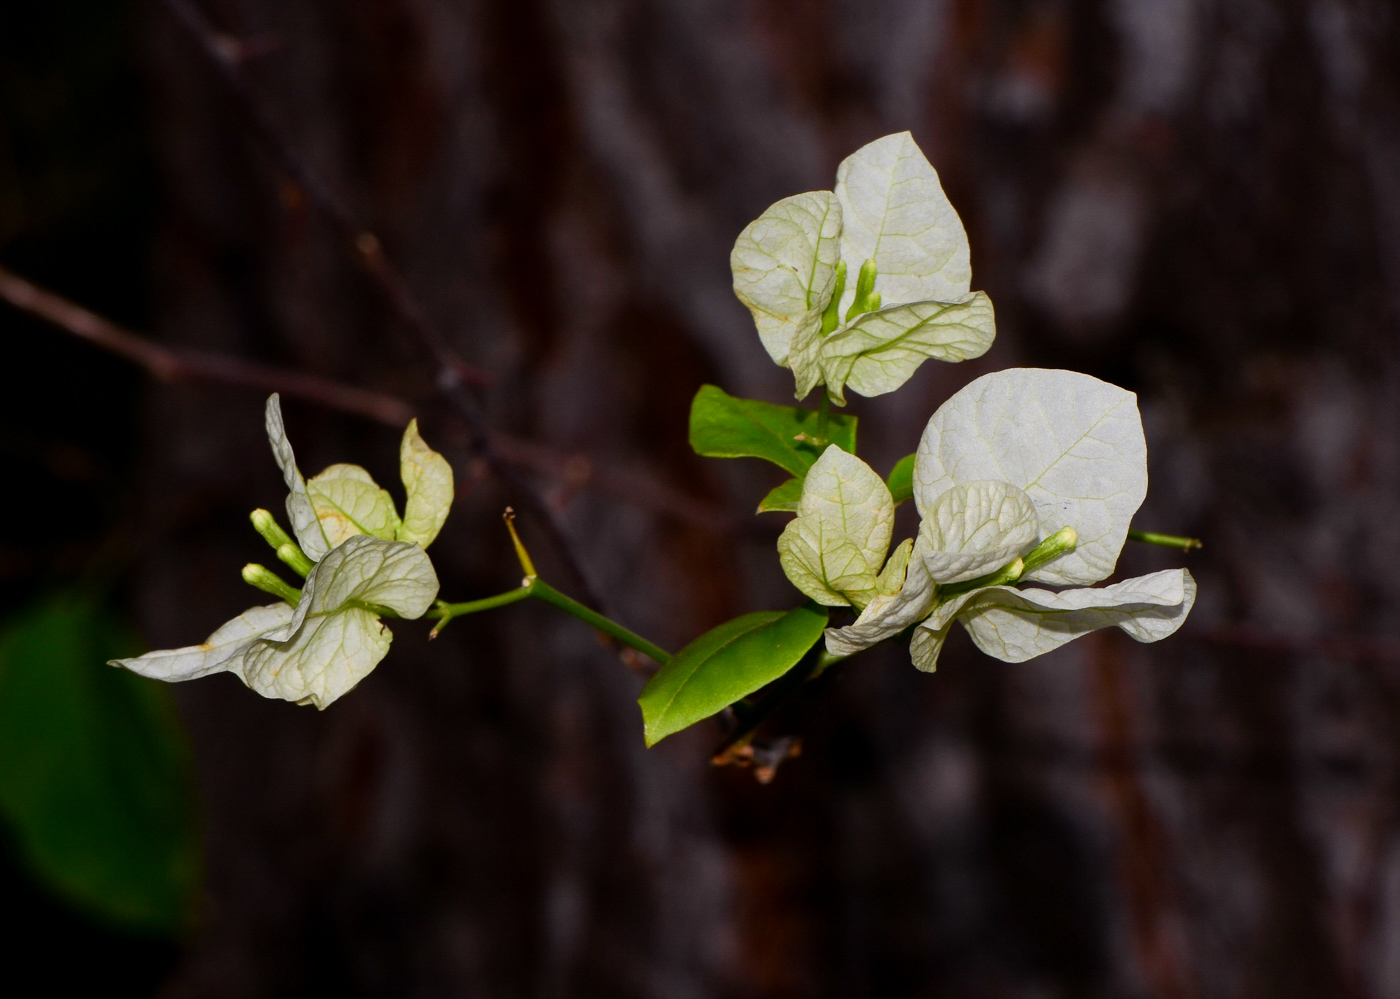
[[535, 587], [543, 591], [1165, 540], [1007, 574], [445, 612]]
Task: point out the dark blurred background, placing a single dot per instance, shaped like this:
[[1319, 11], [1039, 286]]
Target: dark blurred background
[[1196, 199]]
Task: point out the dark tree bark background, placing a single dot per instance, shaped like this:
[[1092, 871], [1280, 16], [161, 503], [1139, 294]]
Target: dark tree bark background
[[1196, 199]]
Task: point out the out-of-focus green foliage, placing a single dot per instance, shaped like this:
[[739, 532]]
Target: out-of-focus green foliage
[[95, 774]]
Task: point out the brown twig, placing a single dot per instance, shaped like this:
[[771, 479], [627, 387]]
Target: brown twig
[[176, 365], [170, 365], [454, 375]]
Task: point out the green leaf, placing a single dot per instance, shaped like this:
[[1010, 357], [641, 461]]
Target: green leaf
[[427, 481], [726, 664], [901, 480], [722, 426], [783, 499], [95, 776]]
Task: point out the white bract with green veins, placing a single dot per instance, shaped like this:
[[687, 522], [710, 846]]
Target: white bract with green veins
[[368, 563], [1025, 475], [859, 286]]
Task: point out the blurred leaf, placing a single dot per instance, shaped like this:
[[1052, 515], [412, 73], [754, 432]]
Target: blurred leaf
[[726, 664], [95, 776], [722, 426], [901, 480], [782, 499]]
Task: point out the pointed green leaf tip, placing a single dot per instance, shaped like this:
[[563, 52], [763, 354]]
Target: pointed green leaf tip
[[722, 426], [726, 664], [783, 498]]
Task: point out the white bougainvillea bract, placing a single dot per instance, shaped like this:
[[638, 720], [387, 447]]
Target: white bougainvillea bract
[[368, 563], [798, 268], [1013, 459]]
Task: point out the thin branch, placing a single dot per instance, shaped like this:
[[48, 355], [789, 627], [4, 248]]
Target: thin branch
[[169, 365], [453, 374]]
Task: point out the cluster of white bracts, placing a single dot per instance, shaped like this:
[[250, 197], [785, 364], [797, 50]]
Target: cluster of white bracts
[[1004, 464], [369, 561], [888, 207]]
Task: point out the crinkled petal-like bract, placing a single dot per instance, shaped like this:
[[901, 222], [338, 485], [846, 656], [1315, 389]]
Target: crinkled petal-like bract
[[805, 354], [230, 641], [976, 528], [427, 481], [880, 351], [834, 547], [348, 501], [1015, 625], [894, 211], [888, 613], [395, 575], [300, 510], [784, 266], [1072, 442], [339, 638], [331, 641], [891, 578], [326, 658], [927, 640], [971, 530]]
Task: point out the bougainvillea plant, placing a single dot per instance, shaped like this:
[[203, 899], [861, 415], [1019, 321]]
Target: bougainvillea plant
[[1024, 479]]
